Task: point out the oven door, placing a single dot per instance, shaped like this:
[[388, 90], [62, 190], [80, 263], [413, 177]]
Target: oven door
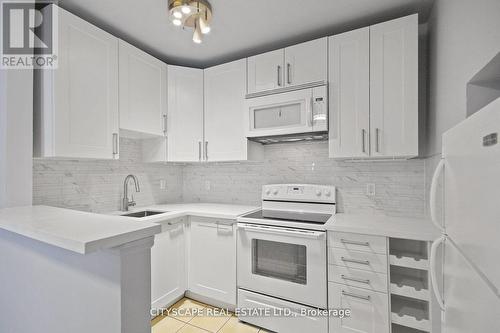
[[285, 263]]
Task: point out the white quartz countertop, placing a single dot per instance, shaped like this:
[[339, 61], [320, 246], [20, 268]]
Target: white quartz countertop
[[382, 225], [211, 210], [73, 230]]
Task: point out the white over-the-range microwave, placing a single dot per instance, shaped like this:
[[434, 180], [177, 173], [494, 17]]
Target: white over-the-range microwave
[[293, 113]]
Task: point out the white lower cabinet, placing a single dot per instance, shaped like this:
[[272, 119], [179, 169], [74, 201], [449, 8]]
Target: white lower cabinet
[[212, 259], [369, 309], [358, 281], [168, 264]]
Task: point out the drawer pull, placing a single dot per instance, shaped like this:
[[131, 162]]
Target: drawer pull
[[354, 279], [346, 241], [366, 298], [356, 261]]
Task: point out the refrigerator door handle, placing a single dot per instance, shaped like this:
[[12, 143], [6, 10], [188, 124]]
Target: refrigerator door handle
[[432, 268], [432, 196]]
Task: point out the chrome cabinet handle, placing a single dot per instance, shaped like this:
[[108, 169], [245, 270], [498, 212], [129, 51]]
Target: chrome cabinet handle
[[206, 150], [346, 241], [343, 277], [288, 73], [311, 118], [356, 261], [164, 124], [199, 150], [279, 76], [366, 298], [115, 143], [377, 143], [363, 134]]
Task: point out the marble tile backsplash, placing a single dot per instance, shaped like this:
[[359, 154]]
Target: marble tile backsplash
[[400, 185], [97, 185]]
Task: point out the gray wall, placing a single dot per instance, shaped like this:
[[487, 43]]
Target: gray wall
[[463, 36], [97, 185]]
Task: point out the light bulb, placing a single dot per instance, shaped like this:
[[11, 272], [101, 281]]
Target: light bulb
[[177, 22], [185, 9], [197, 34], [205, 28], [177, 15]]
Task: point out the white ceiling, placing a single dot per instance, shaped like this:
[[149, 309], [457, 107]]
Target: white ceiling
[[240, 27]]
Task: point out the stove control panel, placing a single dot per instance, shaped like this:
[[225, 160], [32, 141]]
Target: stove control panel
[[299, 192]]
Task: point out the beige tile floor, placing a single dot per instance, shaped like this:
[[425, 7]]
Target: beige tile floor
[[200, 322]]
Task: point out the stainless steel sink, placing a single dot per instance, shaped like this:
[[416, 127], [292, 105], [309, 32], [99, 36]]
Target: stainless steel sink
[[143, 213]]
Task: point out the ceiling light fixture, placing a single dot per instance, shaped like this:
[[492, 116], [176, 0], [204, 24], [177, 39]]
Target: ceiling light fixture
[[196, 14]]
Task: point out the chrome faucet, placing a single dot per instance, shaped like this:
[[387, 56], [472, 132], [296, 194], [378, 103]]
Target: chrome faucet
[[126, 203]]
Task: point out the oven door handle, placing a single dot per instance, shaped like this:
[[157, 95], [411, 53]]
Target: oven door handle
[[281, 231]]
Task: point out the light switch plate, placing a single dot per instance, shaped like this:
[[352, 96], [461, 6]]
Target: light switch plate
[[208, 185]]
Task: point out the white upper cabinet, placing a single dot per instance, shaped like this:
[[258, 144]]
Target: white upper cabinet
[[185, 114], [394, 88], [225, 138], [306, 63], [349, 90], [298, 66], [143, 91], [265, 72], [76, 106], [373, 82]]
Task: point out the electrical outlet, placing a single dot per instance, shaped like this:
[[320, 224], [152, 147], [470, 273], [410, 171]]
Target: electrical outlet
[[208, 185], [370, 189], [163, 184]]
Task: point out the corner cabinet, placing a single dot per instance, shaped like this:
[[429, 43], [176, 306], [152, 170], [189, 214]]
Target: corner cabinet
[[373, 82], [225, 138], [185, 114], [295, 67], [76, 106], [143, 92], [212, 259]]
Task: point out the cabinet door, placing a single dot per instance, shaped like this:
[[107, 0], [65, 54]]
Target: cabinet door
[[349, 94], [143, 91], [212, 259], [224, 112], [85, 91], [185, 114], [394, 88], [265, 71], [168, 265], [369, 310], [306, 63]]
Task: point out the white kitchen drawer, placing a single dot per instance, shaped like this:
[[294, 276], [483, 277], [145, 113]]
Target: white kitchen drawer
[[250, 301], [358, 242], [358, 278], [369, 310], [357, 259]]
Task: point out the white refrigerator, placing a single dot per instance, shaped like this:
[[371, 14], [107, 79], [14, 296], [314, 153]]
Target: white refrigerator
[[466, 285]]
